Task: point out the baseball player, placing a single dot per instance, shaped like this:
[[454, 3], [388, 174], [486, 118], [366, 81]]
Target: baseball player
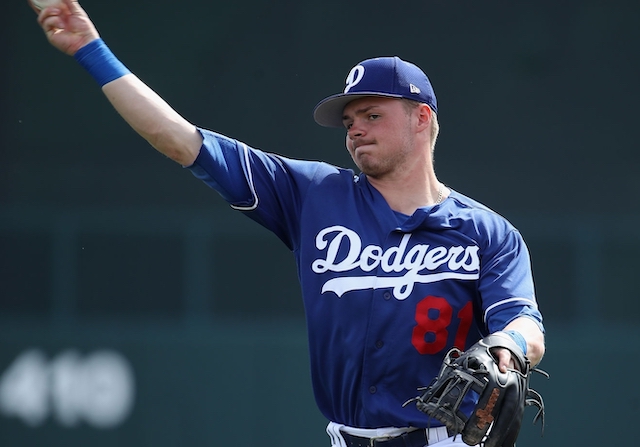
[[395, 267]]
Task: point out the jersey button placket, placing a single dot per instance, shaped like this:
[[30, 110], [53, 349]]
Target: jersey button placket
[[382, 306]]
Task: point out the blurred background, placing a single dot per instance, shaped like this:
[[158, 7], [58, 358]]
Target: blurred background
[[137, 309]]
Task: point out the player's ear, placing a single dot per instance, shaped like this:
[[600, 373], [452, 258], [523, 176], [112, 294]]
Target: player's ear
[[425, 115]]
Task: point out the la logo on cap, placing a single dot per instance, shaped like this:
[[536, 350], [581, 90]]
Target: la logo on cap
[[355, 76]]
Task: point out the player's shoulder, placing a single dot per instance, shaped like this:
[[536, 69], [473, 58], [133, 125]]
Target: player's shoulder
[[310, 169], [461, 211], [322, 169], [467, 204]]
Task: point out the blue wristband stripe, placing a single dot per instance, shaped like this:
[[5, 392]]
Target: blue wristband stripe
[[100, 62], [519, 339]]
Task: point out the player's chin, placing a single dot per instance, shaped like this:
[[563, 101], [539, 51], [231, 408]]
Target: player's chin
[[361, 161], [364, 154], [368, 167]]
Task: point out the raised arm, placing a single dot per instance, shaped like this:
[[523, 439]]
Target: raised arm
[[69, 29]]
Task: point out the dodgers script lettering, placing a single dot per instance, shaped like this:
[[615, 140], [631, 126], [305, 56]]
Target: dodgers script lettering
[[413, 263]]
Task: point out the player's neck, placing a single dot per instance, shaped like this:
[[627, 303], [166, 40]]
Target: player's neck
[[407, 194]]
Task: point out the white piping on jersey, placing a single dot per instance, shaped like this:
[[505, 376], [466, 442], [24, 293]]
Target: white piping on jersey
[[251, 185], [510, 300], [402, 285]]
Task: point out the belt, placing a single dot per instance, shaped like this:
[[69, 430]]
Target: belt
[[415, 438]]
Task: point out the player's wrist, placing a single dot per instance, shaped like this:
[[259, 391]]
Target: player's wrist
[[100, 62], [518, 338]]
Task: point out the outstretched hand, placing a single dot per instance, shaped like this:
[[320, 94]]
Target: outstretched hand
[[66, 25]]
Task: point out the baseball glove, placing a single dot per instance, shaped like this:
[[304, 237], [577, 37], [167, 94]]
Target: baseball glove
[[501, 397]]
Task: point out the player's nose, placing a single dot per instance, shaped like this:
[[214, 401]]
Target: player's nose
[[355, 130]]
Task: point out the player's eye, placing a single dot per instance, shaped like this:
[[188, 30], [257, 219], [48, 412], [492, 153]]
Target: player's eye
[[374, 116]]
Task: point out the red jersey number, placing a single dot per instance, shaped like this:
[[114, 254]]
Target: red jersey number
[[434, 316]]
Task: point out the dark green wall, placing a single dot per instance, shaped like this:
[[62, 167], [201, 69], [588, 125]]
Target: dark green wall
[[104, 244]]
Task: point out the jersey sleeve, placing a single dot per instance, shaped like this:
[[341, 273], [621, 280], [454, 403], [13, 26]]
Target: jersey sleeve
[[219, 166], [267, 187], [506, 284]]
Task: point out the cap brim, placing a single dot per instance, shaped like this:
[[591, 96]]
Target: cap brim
[[329, 111]]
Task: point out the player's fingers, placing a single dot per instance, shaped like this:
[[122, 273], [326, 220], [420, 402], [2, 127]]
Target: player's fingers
[[504, 359], [52, 23], [46, 14], [74, 6]]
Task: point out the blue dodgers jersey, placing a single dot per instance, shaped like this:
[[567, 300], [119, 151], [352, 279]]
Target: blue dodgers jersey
[[384, 300]]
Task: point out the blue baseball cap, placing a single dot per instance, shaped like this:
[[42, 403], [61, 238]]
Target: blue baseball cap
[[389, 77]]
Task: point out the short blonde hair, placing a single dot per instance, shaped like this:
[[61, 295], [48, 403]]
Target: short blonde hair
[[410, 105]]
